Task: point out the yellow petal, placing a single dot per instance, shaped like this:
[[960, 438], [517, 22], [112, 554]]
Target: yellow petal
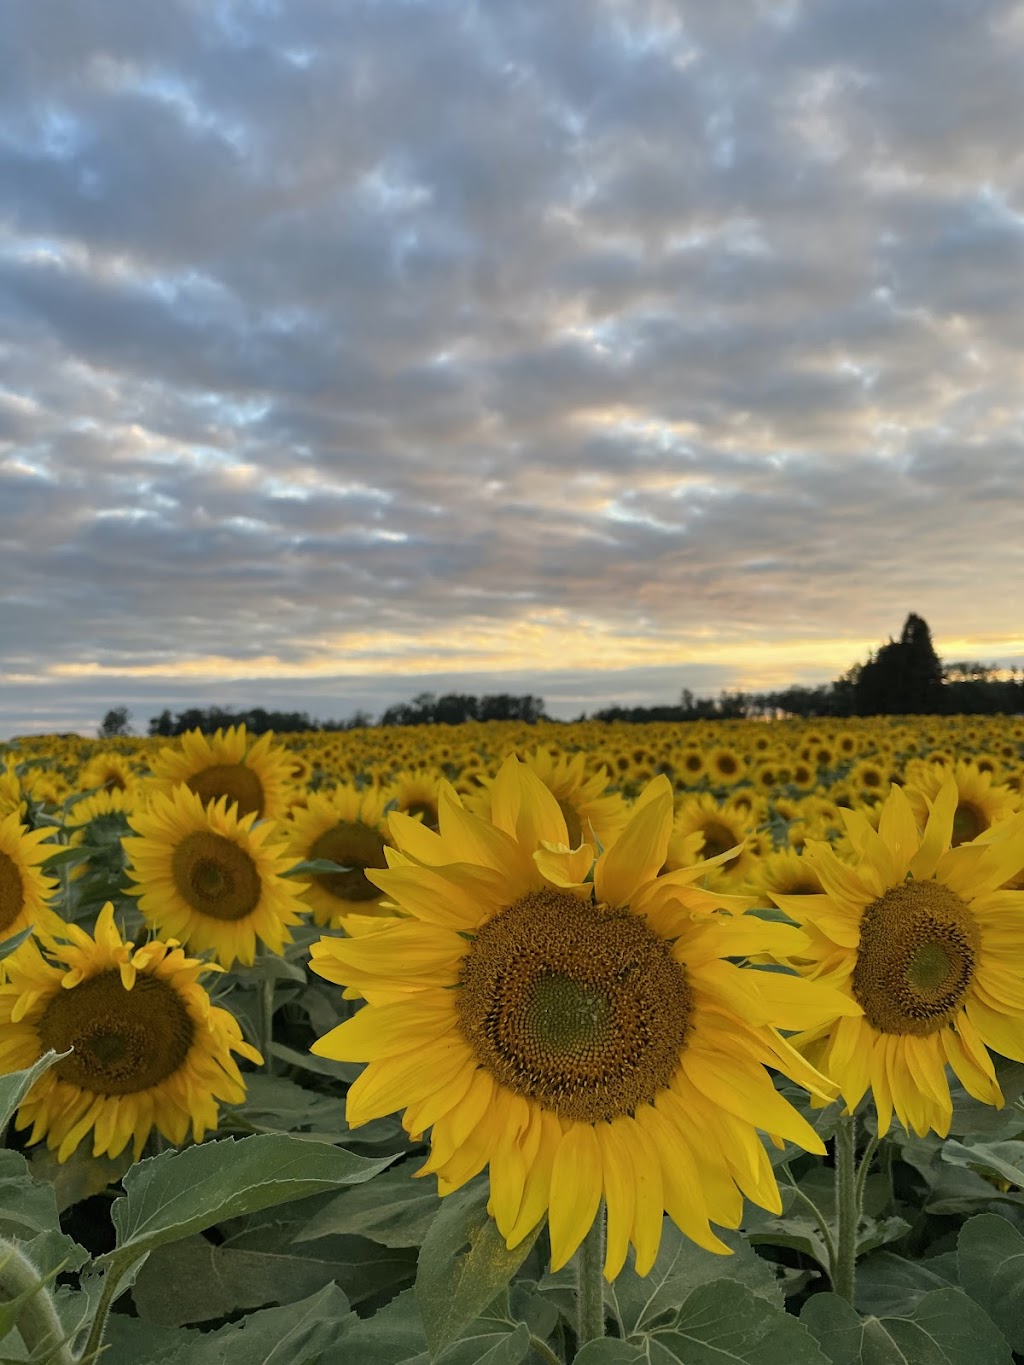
[[619, 1194], [524, 808], [537, 1188], [938, 831], [639, 853], [378, 1031], [576, 1184], [566, 867], [750, 1095]]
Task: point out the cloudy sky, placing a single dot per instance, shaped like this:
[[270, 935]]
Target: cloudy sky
[[592, 348]]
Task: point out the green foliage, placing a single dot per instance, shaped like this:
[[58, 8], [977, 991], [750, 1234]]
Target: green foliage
[[16, 1085], [463, 1264], [174, 1195], [944, 1328]]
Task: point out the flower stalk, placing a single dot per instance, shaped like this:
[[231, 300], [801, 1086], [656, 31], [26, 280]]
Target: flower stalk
[[849, 1194], [36, 1317], [590, 1283]]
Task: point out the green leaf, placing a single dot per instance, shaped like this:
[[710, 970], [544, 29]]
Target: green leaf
[[723, 1323], [70, 857], [12, 944], [1003, 1159], [489, 1341], [946, 1328], [79, 1177], [610, 1352], [28, 1215], [16, 1085], [224, 1280], [315, 867], [305, 1333], [395, 1210], [393, 1336], [990, 1254], [890, 1286], [640, 1303], [179, 1193], [463, 1264], [274, 1104]]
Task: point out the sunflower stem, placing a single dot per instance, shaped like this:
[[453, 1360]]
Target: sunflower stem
[[842, 1269], [266, 990], [590, 1283], [35, 1316]]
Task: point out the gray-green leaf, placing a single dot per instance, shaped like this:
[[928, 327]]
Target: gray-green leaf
[[990, 1254], [946, 1328], [463, 1265], [179, 1193]]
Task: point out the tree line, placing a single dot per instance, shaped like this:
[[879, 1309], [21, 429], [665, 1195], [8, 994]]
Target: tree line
[[903, 677]]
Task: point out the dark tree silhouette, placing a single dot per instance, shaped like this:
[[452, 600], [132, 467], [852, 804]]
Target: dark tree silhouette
[[904, 677], [117, 721]]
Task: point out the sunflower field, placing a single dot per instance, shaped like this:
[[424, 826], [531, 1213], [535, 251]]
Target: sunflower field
[[585, 1044]]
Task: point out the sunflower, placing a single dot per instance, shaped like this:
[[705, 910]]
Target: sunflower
[[787, 873], [582, 1038], [980, 803], [255, 775], [922, 936], [211, 878], [414, 792], [149, 1049], [593, 814], [727, 835], [725, 767], [25, 890], [107, 771], [344, 826]]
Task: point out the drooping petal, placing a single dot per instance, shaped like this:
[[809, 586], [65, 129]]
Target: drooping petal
[[639, 853]]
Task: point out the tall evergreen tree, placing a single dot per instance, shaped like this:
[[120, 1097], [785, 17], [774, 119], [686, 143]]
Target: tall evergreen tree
[[904, 677]]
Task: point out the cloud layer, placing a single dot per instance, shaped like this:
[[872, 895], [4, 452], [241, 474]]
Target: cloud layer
[[603, 347]]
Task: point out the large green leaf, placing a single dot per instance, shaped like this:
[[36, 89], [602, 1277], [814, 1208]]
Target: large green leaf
[[16, 1085], [990, 1254], [395, 1210], [223, 1280], [640, 1303], [1003, 1159], [179, 1193], [28, 1215], [724, 1323], [311, 1332], [946, 1328], [611, 1352], [890, 1286], [394, 1336], [463, 1265]]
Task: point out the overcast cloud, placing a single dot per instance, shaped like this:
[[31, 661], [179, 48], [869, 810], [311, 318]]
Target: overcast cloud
[[585, 348]]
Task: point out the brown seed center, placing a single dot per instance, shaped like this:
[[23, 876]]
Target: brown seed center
[[355, 846], [12, 892], [233, 780], [215, 876], [124, 1041], [915, 962], [578, 1007]]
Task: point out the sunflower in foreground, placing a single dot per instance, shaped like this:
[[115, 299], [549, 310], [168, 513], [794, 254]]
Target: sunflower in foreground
[[584, 1038], [212, 879], [25, 890], [149, 1050], [255, 776], [924, 937]]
